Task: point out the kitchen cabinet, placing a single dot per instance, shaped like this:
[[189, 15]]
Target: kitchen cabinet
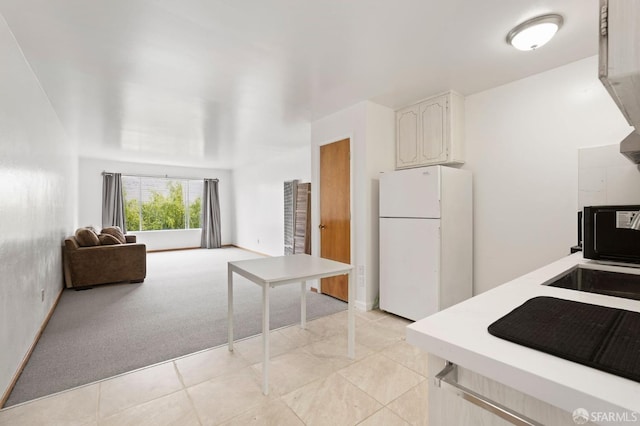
[[447, 407], [431, 132], [619, 68]]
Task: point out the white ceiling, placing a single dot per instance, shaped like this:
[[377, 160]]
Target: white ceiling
[[221, 83]]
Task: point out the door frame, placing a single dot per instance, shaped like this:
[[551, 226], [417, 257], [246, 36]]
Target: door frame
[[315, 217]]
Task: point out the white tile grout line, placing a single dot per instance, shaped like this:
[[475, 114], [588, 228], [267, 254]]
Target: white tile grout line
[[185, 390], [98, 402]]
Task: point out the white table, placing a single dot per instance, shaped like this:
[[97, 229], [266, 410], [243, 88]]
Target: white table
[[274, 271]]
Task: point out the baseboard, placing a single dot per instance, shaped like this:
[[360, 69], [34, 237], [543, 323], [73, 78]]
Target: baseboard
[[25, 360], [361, 306], [192, 248], [172, 249], [246, 249], [195, 248]]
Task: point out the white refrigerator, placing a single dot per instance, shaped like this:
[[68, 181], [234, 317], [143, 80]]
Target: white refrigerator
[[426, 240]]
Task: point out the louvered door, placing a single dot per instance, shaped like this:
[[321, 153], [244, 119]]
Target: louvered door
[[302, 220]]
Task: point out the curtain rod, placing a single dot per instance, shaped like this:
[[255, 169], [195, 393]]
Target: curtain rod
[[157, 176]]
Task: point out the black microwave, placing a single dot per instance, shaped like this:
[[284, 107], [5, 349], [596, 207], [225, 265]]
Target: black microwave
[[608, 235]]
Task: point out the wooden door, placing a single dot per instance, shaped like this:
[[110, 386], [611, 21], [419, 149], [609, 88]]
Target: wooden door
[[335, 213]]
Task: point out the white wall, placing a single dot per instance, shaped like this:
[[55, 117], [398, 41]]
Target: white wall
[[171, 239], [90, 199], [38, 174], [381, 136], [522, 144], [605, 177], [259, 199], [371, 130]]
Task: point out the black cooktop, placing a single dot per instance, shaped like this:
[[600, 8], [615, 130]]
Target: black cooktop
[[610, 283], [600, 337]]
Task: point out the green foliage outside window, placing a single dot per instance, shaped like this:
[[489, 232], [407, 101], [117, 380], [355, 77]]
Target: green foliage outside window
[[132, 214], [195, 210], [162, 211]]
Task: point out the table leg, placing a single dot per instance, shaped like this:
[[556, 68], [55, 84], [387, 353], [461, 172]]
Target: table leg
[[303, 305], [351, 323], [265, 339], [230, 306]]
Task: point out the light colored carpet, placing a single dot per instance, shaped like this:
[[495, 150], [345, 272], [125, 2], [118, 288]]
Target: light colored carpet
[[181, 308]]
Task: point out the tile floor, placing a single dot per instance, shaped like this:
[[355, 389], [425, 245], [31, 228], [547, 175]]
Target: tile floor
[[312, 383]]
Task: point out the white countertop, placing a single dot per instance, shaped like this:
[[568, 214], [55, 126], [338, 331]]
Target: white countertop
[[459, 334]]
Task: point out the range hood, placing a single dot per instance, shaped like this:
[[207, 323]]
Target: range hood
[[619, 67], [630, 147]]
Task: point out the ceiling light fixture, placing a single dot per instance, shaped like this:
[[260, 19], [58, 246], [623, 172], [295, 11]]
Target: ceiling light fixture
[[535, 32]]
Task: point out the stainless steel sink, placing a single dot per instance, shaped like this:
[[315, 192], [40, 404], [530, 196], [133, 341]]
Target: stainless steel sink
[[602, 282]]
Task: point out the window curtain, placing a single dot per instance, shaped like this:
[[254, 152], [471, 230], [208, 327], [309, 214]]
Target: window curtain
[[113, 201], [210, 215]]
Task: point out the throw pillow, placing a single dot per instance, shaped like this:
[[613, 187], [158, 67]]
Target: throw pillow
[[92, 228], [108, 240], [86, 237], [116, 232]]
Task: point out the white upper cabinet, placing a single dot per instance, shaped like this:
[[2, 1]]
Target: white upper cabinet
[[431, 132], [619, 68]]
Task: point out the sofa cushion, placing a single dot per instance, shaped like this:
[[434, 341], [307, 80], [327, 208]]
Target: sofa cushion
[[116, 232], [108, 240], [86, 237]]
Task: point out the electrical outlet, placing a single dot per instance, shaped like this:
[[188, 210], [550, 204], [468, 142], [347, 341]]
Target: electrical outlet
[[258, 240], [42, 295]]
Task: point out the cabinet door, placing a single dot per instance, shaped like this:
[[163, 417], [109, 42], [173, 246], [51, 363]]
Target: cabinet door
[[620, 56], [407, 137], [433, 135]]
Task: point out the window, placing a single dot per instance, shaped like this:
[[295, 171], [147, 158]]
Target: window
[[152, 203]]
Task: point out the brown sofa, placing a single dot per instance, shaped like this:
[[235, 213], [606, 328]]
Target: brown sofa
[[103, 264]]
